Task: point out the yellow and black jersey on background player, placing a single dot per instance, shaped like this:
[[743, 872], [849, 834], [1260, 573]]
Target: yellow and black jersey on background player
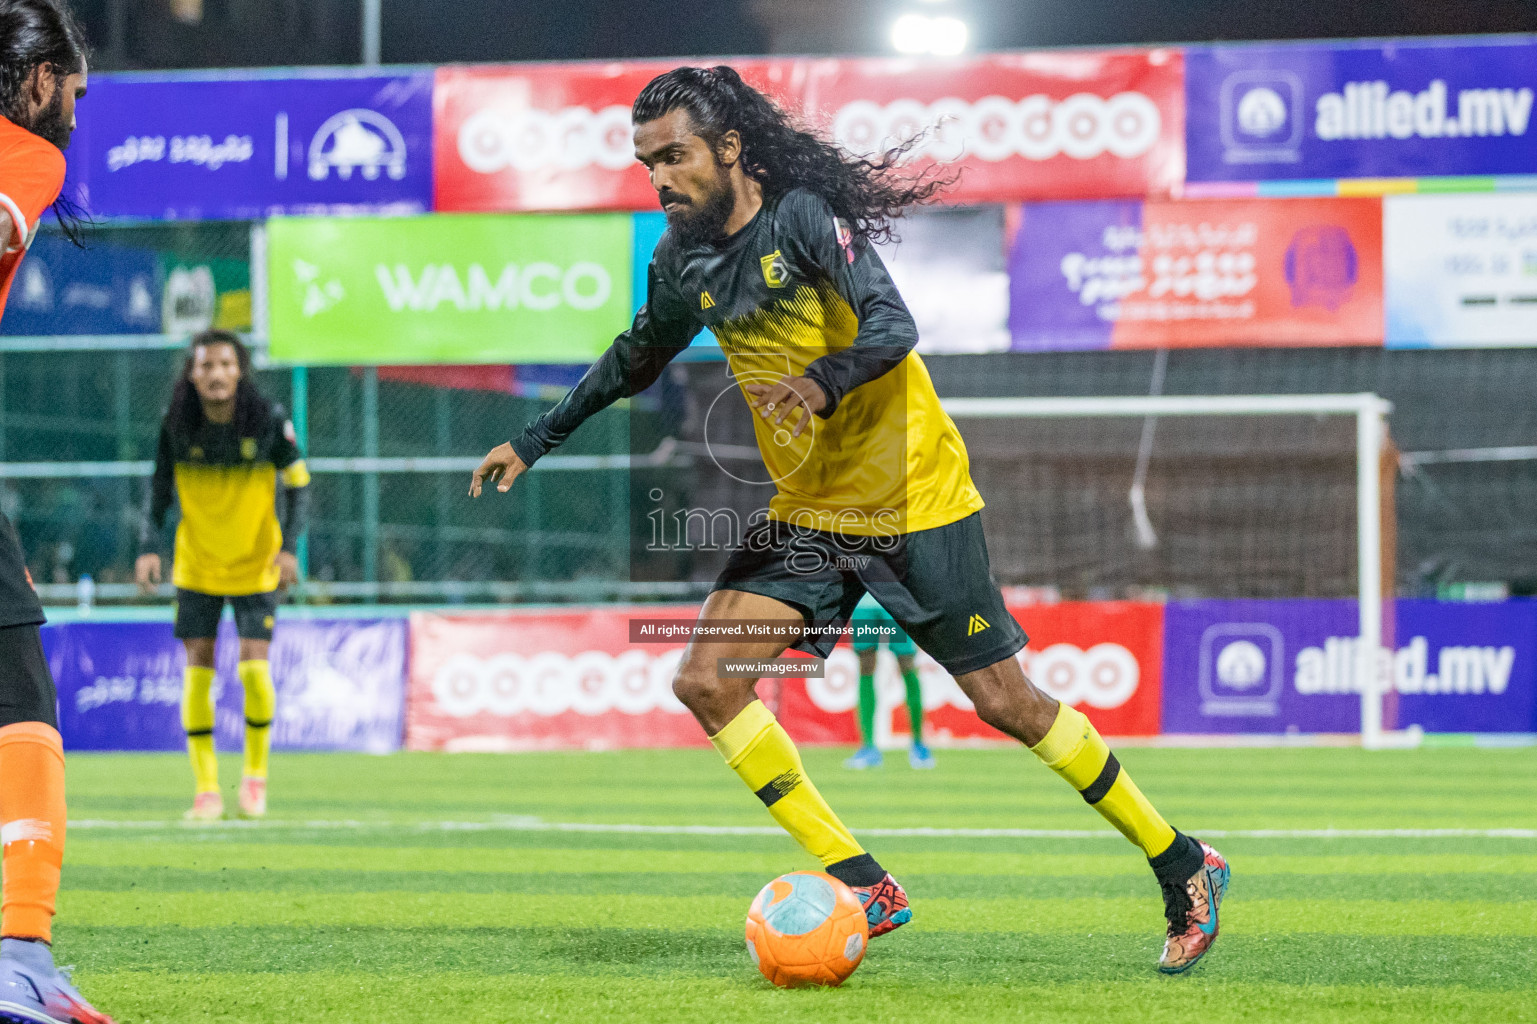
[[225, 478], [795, 292]]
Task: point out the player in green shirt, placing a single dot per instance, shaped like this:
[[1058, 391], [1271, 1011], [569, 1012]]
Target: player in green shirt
[[874, 626]]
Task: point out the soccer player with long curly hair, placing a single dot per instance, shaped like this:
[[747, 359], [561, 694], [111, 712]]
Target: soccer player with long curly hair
[[768, 245], [223, 451]]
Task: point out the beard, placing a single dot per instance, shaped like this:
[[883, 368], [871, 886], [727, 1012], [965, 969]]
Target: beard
[[50, 122], [696, 223]]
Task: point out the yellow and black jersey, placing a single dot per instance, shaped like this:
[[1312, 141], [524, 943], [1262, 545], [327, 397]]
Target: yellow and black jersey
[[225, 479], [796, 293]]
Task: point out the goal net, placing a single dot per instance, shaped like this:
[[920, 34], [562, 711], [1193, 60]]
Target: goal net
[[1231, 496]]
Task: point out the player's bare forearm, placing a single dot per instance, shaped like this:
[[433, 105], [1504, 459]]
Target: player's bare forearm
[[501, 466], [777, 401]]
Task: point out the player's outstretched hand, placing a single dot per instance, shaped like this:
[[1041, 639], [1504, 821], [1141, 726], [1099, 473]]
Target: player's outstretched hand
[[288, 568], [146, 572], [776, 401], [501, 467]]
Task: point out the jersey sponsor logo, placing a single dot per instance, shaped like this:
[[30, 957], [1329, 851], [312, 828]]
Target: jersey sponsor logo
[[776, 271], [976, 625], [358, 140], [705, 302], [995, 128], [590, 683]]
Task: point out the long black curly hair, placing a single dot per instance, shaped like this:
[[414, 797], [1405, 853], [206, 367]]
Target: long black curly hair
[[34, 33], [867, 194], [185, 414]]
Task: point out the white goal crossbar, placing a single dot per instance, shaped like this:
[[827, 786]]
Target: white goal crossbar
[[1370, 412]]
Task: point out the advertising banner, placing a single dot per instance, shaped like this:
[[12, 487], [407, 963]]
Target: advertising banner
[[1014, 126], [340, 685], [1057, 125], [1406, 108], [543, 680], [102, 289], [481, 289], [1460, 270], [233, 147], [573, 680], [1197, 273], [1103, 658], [1290, 666]]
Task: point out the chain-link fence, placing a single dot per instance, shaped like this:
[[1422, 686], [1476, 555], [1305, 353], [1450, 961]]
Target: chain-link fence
[[1250, 509]]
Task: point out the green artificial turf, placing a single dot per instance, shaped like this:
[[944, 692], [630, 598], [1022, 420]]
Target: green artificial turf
[[420, 888]]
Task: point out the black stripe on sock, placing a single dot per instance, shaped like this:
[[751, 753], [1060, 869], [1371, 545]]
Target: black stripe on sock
[[859, 870], [199, 732], [257, 725], [1182, 859], [779, 787], [1100, 786]]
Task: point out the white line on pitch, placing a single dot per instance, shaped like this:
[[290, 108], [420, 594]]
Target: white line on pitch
[[537, 825]]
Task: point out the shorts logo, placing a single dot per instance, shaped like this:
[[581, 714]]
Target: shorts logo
[[267, 622], [776, 272], [248, 448], [705, 302], [976, 625]]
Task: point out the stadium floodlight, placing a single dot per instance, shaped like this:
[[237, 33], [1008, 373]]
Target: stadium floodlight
[[1369, 412], [919, 34]]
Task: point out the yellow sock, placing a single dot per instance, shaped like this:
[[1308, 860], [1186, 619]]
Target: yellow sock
[[758, 749], [1072, 748], [260, 705], [197, 719]]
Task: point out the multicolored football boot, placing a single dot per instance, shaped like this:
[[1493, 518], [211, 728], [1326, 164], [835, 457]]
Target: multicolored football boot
[[1191, 908], [253, 797], [206, 807], [34, 991], [864, 757], [885, 905]]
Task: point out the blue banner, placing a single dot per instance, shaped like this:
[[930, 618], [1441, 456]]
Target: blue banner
[[340, 685], [102, 289], [1360, 110], [234, 148], [1291, 666]]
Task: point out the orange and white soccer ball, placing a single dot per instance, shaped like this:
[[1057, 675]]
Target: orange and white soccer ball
[[807, 928]]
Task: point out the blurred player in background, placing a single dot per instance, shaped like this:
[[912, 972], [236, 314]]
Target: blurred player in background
[[42, 74], [223, 448], [768, 245], [874, 626]]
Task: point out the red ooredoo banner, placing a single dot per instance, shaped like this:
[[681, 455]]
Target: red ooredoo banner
[[545, 680], [1014, 126]]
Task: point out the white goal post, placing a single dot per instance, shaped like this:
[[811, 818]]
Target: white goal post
[[1370, 412]]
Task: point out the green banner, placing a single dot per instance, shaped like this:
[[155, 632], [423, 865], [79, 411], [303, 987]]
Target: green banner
[[450, 288]]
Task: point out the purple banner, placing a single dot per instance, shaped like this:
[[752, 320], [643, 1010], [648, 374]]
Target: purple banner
[[340, 685], [1289, 666], [231, 148], [1360, 110], [1070, 266]]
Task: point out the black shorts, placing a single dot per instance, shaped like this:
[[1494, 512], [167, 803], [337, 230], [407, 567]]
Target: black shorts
[[937, 585], [26, 684], [197, 614]]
